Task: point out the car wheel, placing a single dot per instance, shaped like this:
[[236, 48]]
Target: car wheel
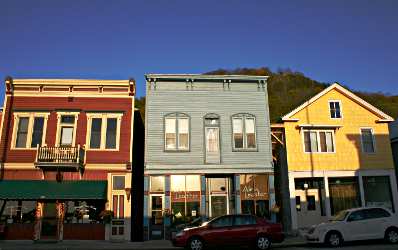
[[263, 243], [334, 239], [392, 236], [195, 243]]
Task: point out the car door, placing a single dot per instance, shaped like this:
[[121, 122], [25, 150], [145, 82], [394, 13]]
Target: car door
[[244, 229], [356, 226], [219, 231], [377, 220]]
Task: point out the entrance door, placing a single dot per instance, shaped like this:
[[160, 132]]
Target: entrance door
[[308, 207], [212, 145], [157, 220], [49, 221], [218, 196]]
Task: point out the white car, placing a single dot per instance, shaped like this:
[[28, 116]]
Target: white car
[[356, 224]]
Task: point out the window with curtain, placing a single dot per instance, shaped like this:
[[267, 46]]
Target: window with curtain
[[318, 141], [176, 132], [244, 131], [212, 140], [367, 138]]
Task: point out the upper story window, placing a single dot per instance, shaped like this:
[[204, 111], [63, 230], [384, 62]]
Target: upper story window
[[321, 141], [367, 140], [176, 132], [67, 130], [244, 132], [29, 130], [103, 131], [335, 109]]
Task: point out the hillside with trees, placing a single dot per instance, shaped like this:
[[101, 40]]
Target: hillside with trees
[[288, 89]]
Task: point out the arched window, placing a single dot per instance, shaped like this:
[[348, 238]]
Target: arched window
[[176, 128], [244, 132]]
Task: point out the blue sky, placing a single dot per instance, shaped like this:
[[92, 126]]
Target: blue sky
[[353, 42]]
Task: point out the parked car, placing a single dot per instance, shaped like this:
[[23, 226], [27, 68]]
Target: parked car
[[356, 224], [230, 230]]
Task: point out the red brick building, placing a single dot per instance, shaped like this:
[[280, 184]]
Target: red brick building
[[66, 154]]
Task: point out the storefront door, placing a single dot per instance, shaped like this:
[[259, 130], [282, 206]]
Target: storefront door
[[49, 226], [219, 190], [218, 205], [157, 220], [308, 207]]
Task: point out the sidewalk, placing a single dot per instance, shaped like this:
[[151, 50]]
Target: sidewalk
[[98, 245]]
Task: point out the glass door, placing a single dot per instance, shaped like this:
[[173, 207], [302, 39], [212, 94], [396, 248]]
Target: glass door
[[157, 220], [49, 227], [218, 196]]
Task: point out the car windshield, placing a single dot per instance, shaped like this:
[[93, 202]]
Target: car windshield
[[340, 216]]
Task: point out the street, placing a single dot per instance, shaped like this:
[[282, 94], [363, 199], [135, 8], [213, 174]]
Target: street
[[347, 247]]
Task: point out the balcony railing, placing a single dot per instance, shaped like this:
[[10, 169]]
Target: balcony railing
[[60, 157]]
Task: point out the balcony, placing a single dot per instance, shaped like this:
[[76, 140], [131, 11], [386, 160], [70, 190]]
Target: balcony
[[61, 158]]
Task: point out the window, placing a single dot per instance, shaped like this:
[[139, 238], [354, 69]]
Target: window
[[118, 206], [242, 220], [318, 141], [118, 183], [254, 194], [67, 127], [335, 109], [225, 221], [157, 183], [104, 131], [29, 130], [176, 132], [376, 213], [367, 139], [356, 216], [311, 203], [377, 191], [22, 134], [244, 132]]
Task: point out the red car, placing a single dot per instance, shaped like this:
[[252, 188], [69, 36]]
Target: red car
[[230, 230]]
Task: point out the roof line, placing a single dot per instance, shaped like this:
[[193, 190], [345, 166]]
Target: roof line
[[370, 107], [200, 76]]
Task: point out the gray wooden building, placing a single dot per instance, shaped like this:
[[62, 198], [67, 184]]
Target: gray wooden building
[[207, 150]]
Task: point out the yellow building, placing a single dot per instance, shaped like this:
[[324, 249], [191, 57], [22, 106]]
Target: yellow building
[[338, 156]]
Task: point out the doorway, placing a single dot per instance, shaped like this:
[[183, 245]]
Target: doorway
[[157, 220], [308, 206], [49, 227], [219, 195]]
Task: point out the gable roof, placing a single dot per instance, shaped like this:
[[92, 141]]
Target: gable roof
[[383, 116]]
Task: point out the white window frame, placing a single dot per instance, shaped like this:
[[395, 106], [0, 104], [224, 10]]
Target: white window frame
[[244, 117], [373, 140], [59, 125], [104, 117], [31, 116], [177, 116], [330, 111], [318, 140]]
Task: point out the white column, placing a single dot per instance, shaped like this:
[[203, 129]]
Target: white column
[[293, 210], [327, 198], [394, 190], [361, 190]]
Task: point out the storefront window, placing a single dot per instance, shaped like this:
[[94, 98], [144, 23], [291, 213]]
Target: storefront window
[[157, 183], [185, 198], [254, 195], [84, 211], [377, 191], [18, 211], [344, 194]]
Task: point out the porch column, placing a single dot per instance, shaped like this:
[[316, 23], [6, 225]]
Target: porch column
[[167, 207], [327, 198], [60, 217], [203, 196], [38, 217], [361, 190], [394, 190], [146, 207], [293, 210], [238, 209], [271, 191]]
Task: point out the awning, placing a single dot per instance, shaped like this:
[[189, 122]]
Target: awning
[[52, 190]]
